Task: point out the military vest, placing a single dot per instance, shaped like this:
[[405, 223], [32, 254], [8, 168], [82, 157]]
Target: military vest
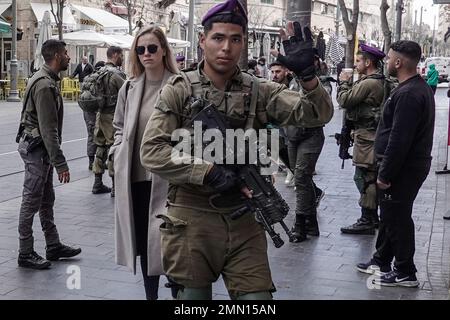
[[239, 106], [367, 114]]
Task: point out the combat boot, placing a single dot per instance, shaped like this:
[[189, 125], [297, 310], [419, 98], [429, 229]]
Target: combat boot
[[113, 190], [299, 229], [363, 225], [312, 226], [91, 162], [33, 260], [98, 186]]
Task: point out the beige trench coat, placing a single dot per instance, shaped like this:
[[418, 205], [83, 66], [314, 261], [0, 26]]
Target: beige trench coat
[[125, 123]]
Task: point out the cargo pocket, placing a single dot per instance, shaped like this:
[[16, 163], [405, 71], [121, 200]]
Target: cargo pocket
[[363, 149], [175, 247], [34, 178]]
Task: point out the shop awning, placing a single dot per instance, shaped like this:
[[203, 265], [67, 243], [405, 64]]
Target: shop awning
[[4, 7], [4, 27], [93, 16], [40, 8], [92, 38]]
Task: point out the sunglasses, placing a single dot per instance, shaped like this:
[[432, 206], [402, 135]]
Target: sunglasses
[[151, 48]]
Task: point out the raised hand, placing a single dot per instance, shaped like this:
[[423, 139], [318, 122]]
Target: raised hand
[[298, 47]]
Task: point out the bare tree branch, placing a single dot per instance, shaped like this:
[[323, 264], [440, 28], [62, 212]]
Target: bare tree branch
[[350, 28], [385, 25]]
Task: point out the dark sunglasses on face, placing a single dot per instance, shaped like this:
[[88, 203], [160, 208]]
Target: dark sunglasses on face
[[151, 48]]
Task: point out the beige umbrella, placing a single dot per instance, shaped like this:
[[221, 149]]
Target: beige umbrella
[[45, 33]]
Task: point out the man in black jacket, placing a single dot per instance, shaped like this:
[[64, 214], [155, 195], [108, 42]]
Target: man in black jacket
[[83, 70], [403, 149]]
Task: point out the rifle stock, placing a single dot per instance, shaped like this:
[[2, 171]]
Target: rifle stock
[[344, 140]]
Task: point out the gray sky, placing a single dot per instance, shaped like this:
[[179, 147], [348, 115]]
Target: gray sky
[[428, 15]]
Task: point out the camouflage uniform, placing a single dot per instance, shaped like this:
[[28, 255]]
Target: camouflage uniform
[[304, 147], [200, 241], [104, 131], [362, 102], [43, 116]]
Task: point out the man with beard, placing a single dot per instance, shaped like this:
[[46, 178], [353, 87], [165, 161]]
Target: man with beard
[[403, 144], [104, 131], [39, 140], [362, 102]]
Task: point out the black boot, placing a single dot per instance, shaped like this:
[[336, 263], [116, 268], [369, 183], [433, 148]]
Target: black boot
[[113, 190], [98, 186], [363, 225], [91, 162], [299, 229], [312, 226]]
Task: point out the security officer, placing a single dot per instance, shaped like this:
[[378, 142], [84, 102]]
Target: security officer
[[200, 241], [362, 102], [40, 148], [104, 131]]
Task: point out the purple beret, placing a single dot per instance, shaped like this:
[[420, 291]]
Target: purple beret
[[180, 58], [377, 53], [229, 6]]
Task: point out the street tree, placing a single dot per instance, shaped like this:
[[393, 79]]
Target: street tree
[[385, 25], [57, 7], [350, 28], [133, 6]]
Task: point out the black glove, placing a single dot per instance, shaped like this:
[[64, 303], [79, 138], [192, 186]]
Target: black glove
[[299, 53], [220, 178]]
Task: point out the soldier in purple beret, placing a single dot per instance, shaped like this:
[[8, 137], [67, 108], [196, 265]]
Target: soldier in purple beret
[[180, 61], [199, 239], [362, 101]]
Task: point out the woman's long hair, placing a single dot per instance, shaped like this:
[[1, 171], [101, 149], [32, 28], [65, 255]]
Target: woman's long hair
[[136, 66]]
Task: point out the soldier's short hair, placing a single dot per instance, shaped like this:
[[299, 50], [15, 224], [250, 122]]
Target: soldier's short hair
[[409, 49], [113, 50], [52, 47], [276, 63], [225, 18], [368, 56]]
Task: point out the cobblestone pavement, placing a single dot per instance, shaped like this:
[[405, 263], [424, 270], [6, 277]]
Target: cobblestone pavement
[[321, 268]]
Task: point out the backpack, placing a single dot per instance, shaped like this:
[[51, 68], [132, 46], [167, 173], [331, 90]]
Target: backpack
[[94, 95]]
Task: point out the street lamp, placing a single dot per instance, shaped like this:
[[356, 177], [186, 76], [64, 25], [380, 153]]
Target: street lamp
[[13, 92]]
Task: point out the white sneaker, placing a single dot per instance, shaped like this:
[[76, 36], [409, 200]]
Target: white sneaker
[[289, 178]]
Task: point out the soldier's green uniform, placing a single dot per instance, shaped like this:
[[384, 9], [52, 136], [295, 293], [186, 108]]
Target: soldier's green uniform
[[362, 102], [104, 131], [200, 241], [43, 116]]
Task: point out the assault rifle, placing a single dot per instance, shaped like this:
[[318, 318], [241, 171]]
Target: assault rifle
[[266, 203], [344, 141]]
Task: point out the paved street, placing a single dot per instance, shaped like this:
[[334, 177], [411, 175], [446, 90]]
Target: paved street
[[321, 268]]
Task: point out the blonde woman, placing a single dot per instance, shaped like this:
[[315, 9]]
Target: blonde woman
[[140, 195]]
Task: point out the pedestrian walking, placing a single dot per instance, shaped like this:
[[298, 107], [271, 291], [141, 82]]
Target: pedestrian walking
[[84, 69], [433, 77], [403, 146], [200, 241], [141, 195], [40, 140]]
